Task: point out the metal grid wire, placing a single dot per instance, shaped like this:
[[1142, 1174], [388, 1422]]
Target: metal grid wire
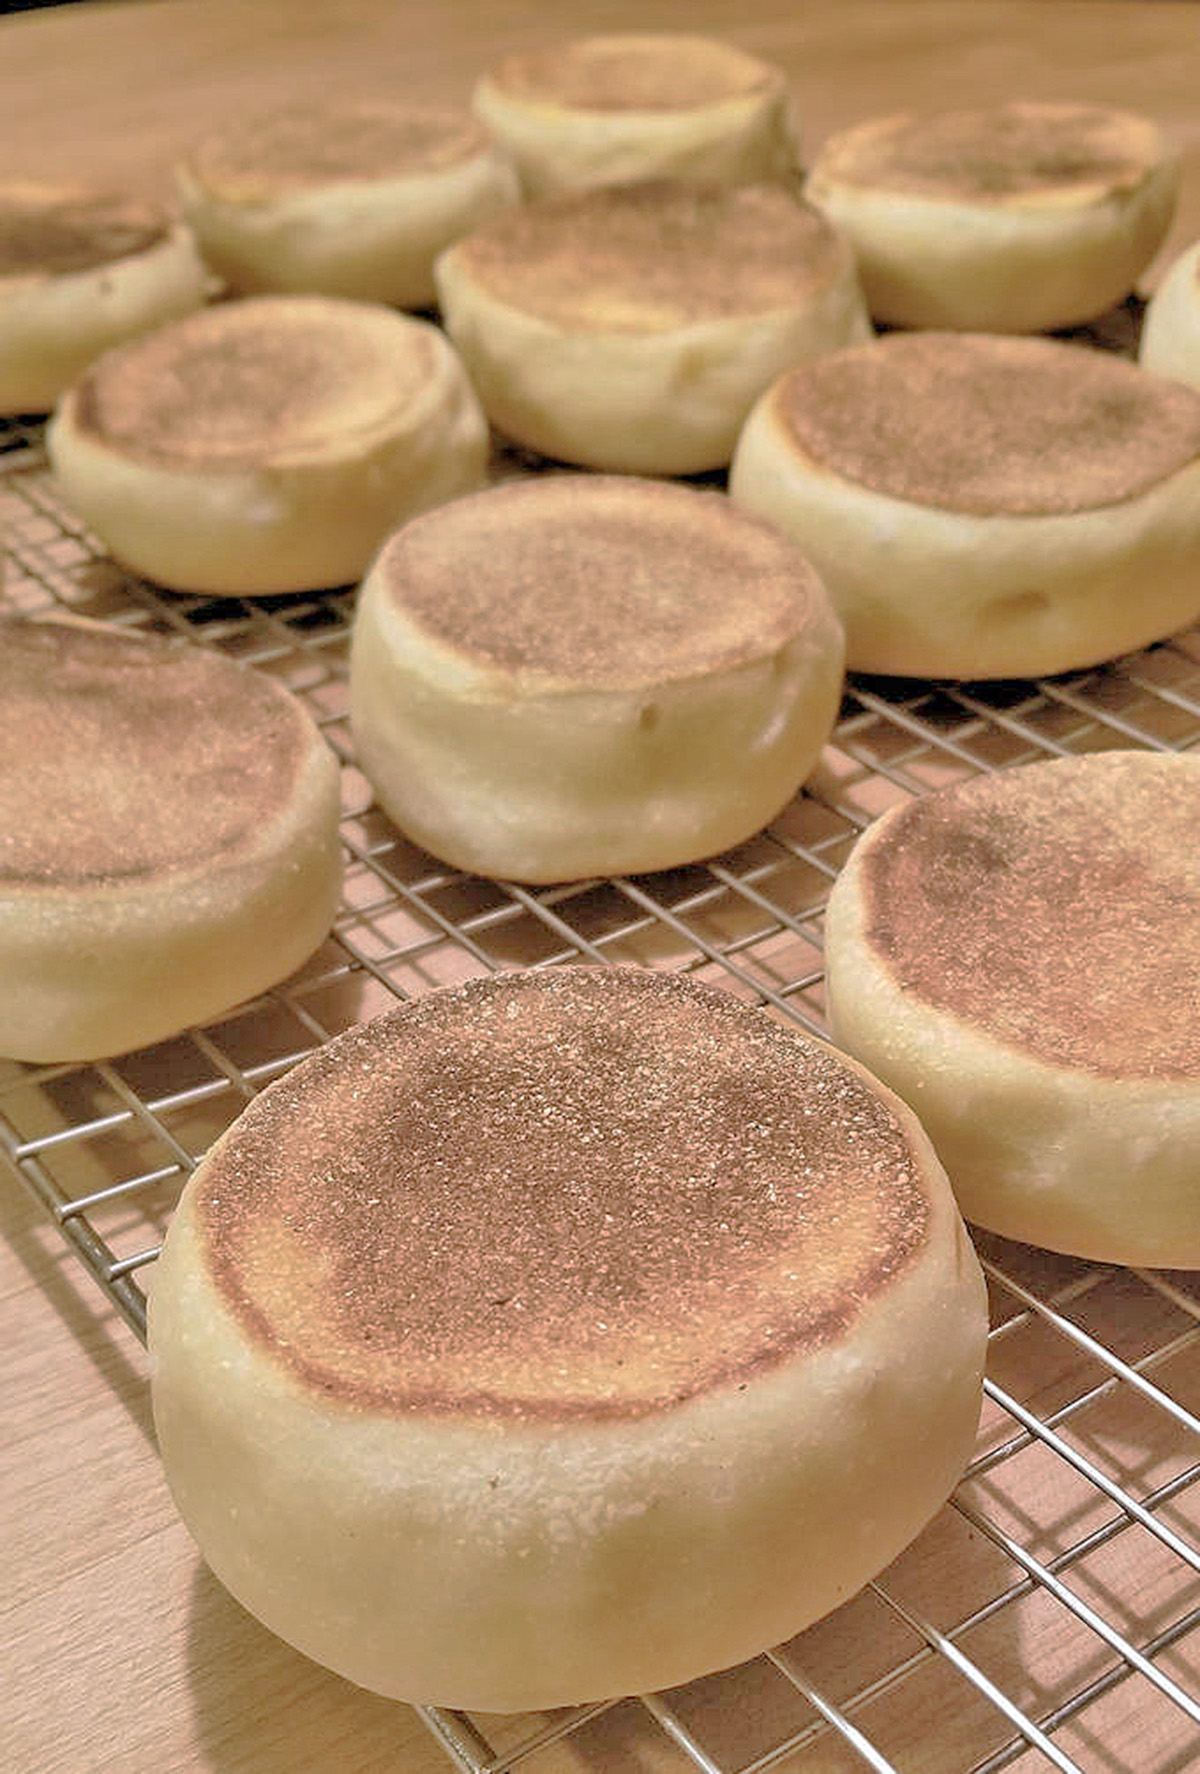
[[1050, 1615]]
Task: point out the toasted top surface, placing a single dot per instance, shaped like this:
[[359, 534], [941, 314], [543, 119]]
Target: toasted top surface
[[989, 425], [129, 759], [647, 257], [53, 231], [997, 154], [1055, 907], [258, 379], [600, 580], [295, 149], [577, 1192], [634, 72]]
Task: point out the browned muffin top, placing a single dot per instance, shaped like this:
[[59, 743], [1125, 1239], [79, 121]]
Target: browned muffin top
[[1054, 907], [597, 580], [49, 231], [634, 72], [974, 423], [653, 256], [125, 758], [997, 154], [268, 378], [574, 1192], [295, 149]]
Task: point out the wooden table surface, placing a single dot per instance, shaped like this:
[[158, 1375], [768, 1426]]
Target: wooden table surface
[[121, 1653]]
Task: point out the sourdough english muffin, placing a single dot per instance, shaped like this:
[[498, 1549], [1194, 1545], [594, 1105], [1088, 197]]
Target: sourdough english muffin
[[578, 675], [1018, 956], [1010, 218], [562, 1335], [341, 199], [1170, 341], [610, 110], [168, 838], [80, 271], [269, 444], [632, 329], [982, 507]]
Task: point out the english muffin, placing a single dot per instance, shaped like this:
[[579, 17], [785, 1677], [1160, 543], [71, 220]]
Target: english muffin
[[577, 675], [1011, 218], [632, 329], [562, 1335], [81, 271], [168, 838], [267, 445], [609, 110], [1170, 341], [341, 199], [1018, 956], [984, 507]]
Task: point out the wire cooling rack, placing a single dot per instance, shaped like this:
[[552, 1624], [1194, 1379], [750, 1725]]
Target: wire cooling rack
[[1050, 1615]]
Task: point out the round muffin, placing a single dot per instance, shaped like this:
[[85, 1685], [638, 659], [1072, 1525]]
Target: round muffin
[[562, 1335], [343, 199], [168, 838], [81, 271], [580, 675], [632, 329], [610, 110], [267, 445], [1018, 956], [1170, 341], [1012, 218], [984, 507]]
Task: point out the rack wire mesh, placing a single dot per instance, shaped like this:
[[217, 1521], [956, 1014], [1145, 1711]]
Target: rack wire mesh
[[1050, 1615]]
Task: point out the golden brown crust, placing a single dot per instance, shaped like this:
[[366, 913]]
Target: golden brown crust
[[646, 72], [998, 154], [46, 231], [245, 381], [127, 758], [579, 1192], [656, 255], [990, 425], [1055, 907], [600, 580], [297, 149]]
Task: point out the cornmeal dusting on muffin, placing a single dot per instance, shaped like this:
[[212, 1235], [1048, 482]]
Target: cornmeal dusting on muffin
[[585, 1193]]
